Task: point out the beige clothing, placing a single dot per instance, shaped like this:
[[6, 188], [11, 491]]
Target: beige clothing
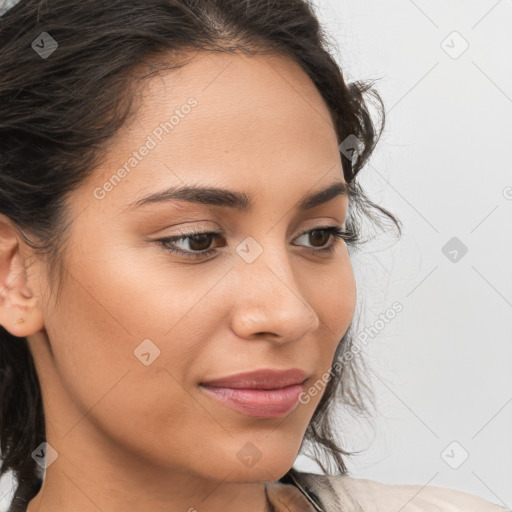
[[308, 492]]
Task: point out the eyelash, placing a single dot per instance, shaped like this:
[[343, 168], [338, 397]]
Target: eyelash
[[334, 231]]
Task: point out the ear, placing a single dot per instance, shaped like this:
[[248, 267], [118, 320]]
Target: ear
[[20, 311]]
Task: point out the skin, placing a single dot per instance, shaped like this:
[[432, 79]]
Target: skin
[[133, 437]]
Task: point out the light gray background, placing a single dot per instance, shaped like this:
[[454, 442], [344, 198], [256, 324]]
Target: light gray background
[[442, 369]]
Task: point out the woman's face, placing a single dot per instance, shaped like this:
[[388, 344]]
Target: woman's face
[[138, 328]]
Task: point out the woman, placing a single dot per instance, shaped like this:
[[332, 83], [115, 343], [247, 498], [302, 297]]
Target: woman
[[178, 198]]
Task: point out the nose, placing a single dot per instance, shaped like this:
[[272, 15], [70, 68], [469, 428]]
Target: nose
[[268, 301]]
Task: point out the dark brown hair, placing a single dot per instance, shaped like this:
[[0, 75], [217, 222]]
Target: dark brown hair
[[58, 112]]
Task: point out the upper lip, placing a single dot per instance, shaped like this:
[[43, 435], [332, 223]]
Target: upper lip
[[264, 378]]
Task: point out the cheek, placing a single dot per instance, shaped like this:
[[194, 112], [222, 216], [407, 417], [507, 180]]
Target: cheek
[[332, 294], [124, 306], [140, 407], [335, 305]]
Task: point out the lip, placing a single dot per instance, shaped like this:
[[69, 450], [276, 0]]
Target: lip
[[263, 378], [264, 393], [260, 403]]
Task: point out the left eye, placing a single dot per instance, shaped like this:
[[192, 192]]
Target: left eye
[[200, 248]]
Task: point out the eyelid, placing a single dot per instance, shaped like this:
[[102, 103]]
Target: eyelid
[[336, 233], [204, 229]]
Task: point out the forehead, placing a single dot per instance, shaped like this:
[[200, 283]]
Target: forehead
[[226, 119], [242, 101]]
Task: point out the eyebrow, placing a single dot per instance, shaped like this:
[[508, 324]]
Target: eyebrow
[[239, 201]]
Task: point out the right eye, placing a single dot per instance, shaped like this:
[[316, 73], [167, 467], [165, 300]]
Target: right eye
[[196, 243]]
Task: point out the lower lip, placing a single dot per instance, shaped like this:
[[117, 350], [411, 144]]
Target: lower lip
[[263, 403]]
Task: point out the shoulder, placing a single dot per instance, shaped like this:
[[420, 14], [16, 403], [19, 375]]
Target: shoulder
[[373, 496]]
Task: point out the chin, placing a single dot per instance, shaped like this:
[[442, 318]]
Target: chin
[[258, 466], [259, 474]]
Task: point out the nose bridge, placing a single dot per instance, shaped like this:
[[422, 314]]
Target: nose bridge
[[265, 261], [272, 300]]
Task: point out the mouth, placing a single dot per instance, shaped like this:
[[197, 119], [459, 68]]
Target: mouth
[[262, 393]]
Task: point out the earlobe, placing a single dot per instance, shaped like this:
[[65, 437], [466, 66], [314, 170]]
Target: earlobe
[[20, 316], [20, 313]]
